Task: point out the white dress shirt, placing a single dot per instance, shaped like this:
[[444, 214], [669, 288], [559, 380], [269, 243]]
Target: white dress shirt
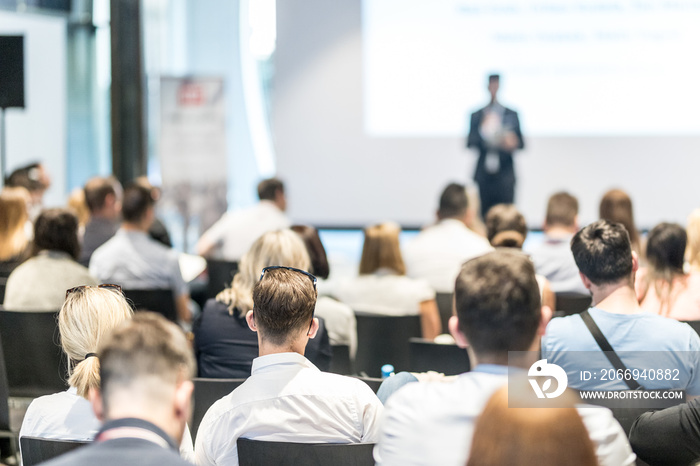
[[429, 423], [68, 416], [437, 253], [236, 231], [287, 399], [384, 293]]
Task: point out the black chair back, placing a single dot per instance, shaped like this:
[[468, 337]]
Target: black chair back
[[695, 324], [160, 301], [384, 340], [3, 283], [373, 382], [34, 360], [571, 303], [4, 394], [426, 355], [206, 393], [220, 275], [256, 453], [340, 362], [444, 304], [37, 450]]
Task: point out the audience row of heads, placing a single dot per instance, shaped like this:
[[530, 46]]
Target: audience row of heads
[[57, 228]]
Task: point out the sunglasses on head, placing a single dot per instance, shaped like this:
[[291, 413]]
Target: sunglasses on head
[[108, 286], [273, 267]]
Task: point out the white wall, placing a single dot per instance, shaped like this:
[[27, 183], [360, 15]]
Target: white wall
[[38, 132], [337, 175]]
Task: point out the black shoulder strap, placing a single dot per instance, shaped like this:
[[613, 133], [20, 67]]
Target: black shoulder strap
[[607, 349]]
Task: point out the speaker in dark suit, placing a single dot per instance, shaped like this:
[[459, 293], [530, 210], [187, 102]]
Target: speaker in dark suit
[[494, 131]]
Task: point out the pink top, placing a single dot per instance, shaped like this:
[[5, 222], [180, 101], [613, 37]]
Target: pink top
[[685, 297]]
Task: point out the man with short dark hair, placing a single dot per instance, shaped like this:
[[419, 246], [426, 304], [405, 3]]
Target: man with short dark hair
[[146, 367], [287, 398], [437, 253], [497, 300], [607, 265], [103, 198], [235, 232], [134, 260], [553, 258]]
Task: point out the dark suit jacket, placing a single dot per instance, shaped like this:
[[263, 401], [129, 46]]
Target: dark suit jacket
[[474, 140], [124, 451]]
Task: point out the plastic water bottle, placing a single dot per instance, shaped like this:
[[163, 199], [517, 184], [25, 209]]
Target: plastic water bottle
[[387, 371]]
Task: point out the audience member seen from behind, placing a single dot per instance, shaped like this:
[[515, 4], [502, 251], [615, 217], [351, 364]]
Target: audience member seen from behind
[[224, 345], [553, 257], [144, 402], [616, 206], [506, 228], [14, 241], [76, 203], [286, 398], [134, 260], [543, 436], [339, 317], [88, 315], [35, 179], [382, 286], [40, 283], [157, 231], [438, 251], [669, 436], [235, 232], [604, 256], [103, 196], [498, 310]]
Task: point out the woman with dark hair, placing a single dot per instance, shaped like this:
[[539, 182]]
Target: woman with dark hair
[[40, 283], [663, 287], [339, 317]]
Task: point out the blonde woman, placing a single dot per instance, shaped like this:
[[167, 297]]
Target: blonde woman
[[383, 287], [14, 240], [88, 316], [224, 345]]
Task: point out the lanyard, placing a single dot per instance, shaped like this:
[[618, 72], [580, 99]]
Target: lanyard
[[133, 432]]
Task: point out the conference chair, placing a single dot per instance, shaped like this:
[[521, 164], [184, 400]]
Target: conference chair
[[340, 362], [384, 340], [256, 453], [3, 284], [35, 362], [373, 382], [36, 450], [444, 304], [569, 303], [695, 324], [425, 355], [8, 438], [161, 301], [220, 273], [206, 393]]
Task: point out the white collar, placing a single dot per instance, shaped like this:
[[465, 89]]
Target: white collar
[[262, 363]]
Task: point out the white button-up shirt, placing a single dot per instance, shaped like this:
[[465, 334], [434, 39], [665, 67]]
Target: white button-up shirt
[[236, 231], [438, 252], [428, 423], [287, 399]]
